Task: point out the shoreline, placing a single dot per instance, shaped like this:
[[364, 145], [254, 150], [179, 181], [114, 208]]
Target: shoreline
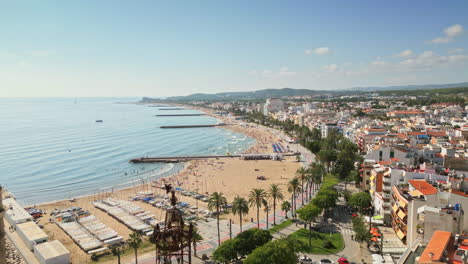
[[181, 171], [232, 177]]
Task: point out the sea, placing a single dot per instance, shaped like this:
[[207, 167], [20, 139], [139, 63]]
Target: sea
[[53, 148]]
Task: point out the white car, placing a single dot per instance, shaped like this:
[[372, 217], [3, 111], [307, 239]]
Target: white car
[[305, 260]]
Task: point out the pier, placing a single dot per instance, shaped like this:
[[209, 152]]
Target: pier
[[176, 159], [183, 115], [192, 126], [173, 108]]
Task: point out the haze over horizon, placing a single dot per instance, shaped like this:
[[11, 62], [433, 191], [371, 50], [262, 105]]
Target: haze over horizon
[[153, 48]]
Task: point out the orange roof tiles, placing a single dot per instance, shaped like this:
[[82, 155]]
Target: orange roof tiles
[[423, 186], [435, 247], [436, 134]]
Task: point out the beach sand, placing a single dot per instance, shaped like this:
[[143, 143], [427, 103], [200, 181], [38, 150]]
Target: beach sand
[[231, 176]]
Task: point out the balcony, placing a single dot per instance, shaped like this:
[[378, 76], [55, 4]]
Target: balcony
[[387, 180], [387, 188]]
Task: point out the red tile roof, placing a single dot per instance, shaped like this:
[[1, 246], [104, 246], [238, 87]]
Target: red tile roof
[[436, 134], [423, 186], [435, 247]]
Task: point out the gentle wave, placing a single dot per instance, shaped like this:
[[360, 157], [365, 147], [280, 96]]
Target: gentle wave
[[52, 149]]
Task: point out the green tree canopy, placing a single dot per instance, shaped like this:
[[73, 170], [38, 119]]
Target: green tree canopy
[[274, 252], [227, 251], [362, 201]]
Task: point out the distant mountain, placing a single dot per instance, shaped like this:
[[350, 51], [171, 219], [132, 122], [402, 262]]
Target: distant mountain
[[259, 94], [410, 87], [268, 93]]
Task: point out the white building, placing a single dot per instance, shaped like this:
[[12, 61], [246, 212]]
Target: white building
[[15, 213], [52, 252], [326, 128], [31, 234]]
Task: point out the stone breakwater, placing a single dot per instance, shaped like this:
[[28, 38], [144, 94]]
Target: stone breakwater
[[12, 254]]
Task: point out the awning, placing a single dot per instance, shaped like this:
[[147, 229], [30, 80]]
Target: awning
[[401, 214], [374, 239], [402, 203], [372, 177], [415, 193], [395, 208], [400, 234]]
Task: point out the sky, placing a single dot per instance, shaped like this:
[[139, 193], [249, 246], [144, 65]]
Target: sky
[[166, 48]]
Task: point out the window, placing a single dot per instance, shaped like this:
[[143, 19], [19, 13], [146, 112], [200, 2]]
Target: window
[[392, 154], [367, 182]]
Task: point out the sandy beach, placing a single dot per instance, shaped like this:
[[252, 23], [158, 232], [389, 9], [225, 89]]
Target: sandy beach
[[231, 176]]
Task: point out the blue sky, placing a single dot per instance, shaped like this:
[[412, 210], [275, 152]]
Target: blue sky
[[162, 48]]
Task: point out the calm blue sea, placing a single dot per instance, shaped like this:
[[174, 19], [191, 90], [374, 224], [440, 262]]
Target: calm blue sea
[[52, 148]]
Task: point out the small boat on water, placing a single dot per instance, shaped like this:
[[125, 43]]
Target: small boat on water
[[99, 121]]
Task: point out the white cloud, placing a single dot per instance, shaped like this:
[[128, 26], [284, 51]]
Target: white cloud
[[454, 31], [428, 60], [450, 33], [318, 51], [441, 40], [282, 72], [286, 72], [331, 68], [405, 54], [252, 72], [459, 50]]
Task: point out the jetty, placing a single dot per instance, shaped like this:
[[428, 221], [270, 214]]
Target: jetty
[[183, 115], [250, 156], [192, 126]]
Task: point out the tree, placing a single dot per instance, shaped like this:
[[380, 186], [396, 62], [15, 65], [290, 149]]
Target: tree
[[362, 201], [301, 174], [252, 239], [117, 251], [326, 198], [241, 207], [327, 156], [216, 202], [274, 252], [275, 194], [286, 207], [135, 242], [293, 187], [346, 195], [314, 147], [257, 199], [196, 238], [308, 213], [227, 251]]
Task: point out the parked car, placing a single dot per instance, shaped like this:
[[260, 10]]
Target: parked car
[[325, 261], [305, 260], [343, 261]]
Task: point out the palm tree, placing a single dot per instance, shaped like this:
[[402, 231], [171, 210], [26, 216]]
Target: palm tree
[[196, 238], [275, 194], [293, 188], [301, 174], [286, 206], [216, 202], [257, 198], [135, 242], [267, 210], [241, 207], [310, 182], [117, 251]]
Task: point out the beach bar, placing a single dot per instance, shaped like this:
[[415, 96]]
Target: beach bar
[[31, 234], [52, 252]]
